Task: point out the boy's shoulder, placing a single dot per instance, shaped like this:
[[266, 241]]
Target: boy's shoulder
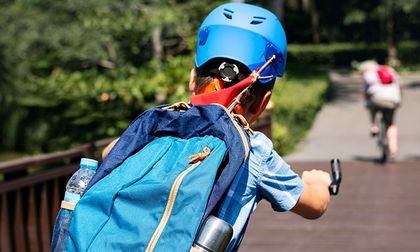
[[261, 144], [258, 137]]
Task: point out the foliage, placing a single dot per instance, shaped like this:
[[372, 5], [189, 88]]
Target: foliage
[[352, 20], [378, 10], [343, 54], [76, 71], [77, 35], [89, 106]]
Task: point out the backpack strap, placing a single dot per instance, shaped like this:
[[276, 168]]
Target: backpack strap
[[238, 155]]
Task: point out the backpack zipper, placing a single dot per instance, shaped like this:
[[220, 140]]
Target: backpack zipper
[[175, 186], [171, 199]]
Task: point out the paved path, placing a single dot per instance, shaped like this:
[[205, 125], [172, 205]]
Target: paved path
[[378, 207]]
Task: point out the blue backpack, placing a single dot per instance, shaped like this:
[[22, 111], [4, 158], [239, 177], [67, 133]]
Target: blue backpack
[[165, 175]]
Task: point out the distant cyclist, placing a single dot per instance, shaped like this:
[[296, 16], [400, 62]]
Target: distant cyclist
[[382, 93]]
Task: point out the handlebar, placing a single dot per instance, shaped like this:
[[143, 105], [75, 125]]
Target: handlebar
[[336, 176]]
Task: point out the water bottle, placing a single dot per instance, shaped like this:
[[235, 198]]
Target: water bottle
[[75, 188], [79, 181], [214, 236]]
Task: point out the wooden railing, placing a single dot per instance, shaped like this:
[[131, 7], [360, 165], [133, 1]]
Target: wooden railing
[[33, 187], [30, 194]]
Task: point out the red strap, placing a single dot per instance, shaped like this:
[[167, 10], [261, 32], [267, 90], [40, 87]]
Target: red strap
[[223, 97], [226, 96]]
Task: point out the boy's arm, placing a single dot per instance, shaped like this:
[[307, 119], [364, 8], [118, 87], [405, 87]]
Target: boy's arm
[[108, 148], [315, 197]]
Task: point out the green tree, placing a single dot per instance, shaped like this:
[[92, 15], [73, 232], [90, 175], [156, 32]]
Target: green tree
[[82, 70], [391, 18]]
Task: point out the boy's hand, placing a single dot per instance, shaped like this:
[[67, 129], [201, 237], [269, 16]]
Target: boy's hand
[[316, 177], [108, 148], [315, 197]]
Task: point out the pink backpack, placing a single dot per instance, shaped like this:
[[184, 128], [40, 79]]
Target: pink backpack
[[385, 75]]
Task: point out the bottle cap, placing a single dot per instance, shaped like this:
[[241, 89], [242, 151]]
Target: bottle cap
[[91, 163], [214, 235]]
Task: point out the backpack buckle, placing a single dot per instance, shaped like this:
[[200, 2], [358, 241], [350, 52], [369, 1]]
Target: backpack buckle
[[179, 106]]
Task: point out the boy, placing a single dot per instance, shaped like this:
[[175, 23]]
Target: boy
[[234, 40]]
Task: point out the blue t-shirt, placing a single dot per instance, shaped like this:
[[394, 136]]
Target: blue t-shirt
[[265, 176]]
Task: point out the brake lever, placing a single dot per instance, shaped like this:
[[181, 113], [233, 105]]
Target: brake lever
[[336, 176]]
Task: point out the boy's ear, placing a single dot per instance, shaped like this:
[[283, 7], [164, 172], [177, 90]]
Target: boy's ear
[[193, 80], [259, 106]]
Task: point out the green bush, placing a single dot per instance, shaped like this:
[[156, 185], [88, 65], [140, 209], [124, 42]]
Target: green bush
[[342, 54], [70, 108]]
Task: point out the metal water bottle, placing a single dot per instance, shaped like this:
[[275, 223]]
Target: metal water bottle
[[214, 236]]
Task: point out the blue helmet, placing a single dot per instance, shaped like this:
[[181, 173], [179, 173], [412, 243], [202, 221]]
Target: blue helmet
[[245, 33]]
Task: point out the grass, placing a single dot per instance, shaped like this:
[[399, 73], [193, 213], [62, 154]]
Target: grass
[[296, 100]]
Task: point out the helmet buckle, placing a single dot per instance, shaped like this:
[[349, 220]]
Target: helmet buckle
[[228, 71]]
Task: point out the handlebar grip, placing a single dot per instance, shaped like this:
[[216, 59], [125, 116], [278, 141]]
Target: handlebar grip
[[336, 176]]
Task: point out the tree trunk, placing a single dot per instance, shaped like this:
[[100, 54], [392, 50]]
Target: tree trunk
[[390, 40], [316, 37], [277, 6], [157, 44]]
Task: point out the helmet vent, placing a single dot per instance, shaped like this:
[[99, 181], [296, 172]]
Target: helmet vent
[[228, 13], [257, 20]]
